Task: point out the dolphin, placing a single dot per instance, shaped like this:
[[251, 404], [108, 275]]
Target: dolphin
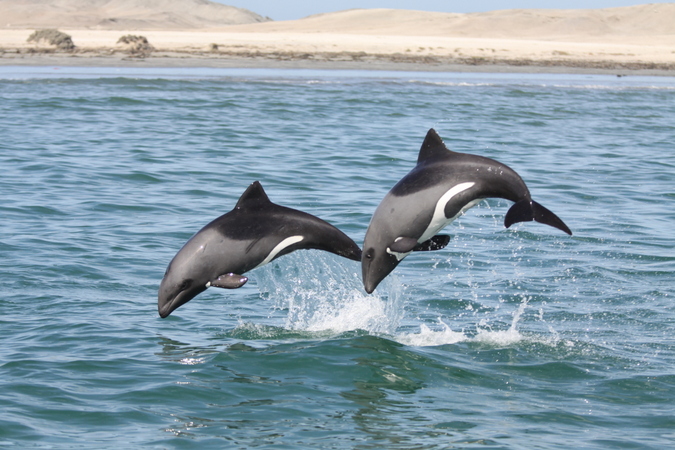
[[442, 186], [254, 233]]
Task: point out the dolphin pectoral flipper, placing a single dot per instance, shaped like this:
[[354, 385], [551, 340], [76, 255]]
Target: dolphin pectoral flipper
[[437, 242], [528, 210], [229, 281], [403, 244], [408, 244]]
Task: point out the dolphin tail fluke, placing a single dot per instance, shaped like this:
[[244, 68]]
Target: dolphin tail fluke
[[528, 210]]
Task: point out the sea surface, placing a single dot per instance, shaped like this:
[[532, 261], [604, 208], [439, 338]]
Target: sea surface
[[520, 338]]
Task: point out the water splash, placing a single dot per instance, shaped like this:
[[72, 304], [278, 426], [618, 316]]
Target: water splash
[[428, 336], [504, 337], [324, 293]]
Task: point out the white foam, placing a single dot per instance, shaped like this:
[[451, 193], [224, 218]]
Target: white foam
[[191, 361], [499, 338], [428, 337]]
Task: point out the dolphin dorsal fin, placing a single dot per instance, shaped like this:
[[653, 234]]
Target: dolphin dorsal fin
[[253, 195], [432, 146]]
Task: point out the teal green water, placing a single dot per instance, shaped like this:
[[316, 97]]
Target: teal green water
[[506, 339]]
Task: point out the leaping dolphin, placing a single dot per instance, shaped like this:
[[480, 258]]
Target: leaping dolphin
[[254, 233], [441, 187]]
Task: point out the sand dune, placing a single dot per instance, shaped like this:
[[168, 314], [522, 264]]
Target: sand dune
[[545, 24], [540, 24], [121, 14]]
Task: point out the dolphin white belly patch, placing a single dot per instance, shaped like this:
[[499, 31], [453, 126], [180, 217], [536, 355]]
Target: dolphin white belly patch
[[438, 221], [279, 247]]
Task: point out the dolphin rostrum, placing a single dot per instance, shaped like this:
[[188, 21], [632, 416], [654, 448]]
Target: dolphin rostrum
[[254, 233], [441, 187]]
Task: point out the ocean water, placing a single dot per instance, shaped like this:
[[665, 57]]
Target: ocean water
[[506, 339]]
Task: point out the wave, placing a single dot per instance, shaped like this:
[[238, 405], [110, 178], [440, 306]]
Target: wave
[[152, 76]]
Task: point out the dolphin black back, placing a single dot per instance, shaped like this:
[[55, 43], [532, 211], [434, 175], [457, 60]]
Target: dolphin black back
[[256, 218]]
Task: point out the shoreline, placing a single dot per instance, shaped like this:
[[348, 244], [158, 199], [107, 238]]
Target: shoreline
[[329, 61], [289, 45]]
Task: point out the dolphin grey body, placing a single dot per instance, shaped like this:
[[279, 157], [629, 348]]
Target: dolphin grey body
[[254, 233], [441, 187]]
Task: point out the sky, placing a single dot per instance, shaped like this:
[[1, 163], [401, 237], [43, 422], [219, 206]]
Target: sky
[[297, 9]]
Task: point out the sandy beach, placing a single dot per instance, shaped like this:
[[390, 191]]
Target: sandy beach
[[616, 40]]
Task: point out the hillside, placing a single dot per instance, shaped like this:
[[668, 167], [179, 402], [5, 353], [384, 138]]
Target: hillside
[[122, 14], [533, 24]]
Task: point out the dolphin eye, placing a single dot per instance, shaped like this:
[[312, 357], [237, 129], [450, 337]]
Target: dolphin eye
[[185, 284], [369, 254]]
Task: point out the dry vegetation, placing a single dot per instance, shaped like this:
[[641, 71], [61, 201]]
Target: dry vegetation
[[137, 46], [60, 40]]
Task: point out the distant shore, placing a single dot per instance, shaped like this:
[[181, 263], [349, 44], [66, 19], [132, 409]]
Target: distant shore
[[311, 50]]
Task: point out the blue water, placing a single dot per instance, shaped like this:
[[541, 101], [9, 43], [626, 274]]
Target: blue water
[[506, 339]]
